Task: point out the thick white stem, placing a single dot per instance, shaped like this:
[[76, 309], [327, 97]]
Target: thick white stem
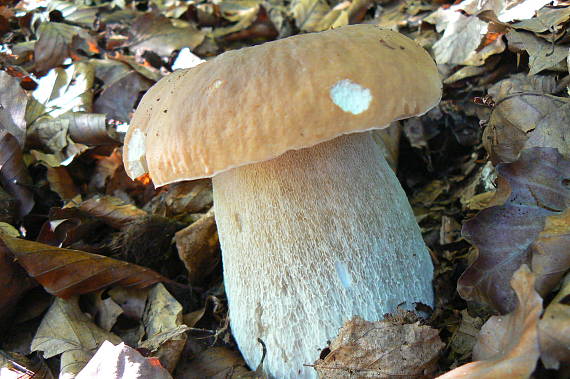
[[311, 239]]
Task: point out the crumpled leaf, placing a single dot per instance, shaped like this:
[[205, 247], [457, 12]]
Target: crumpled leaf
[[197, 246], [121, 361], [554, 329], [381, 349], [542, 55], [14, 176], [525, 120], [65, 272], [66, 330], [507, 346], [161, 35], [533, 188], [13, 102], [165, 332]]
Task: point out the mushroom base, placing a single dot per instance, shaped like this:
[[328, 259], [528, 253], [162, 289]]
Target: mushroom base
[[311, 239]]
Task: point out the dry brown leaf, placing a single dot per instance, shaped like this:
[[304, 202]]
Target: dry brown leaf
[[121, 361], [214, 363], [550, 252], [554, 329], [14, 176], [123, 86], [61, 183], [165, 332], [183, 198], [365, 349], [547, 19], [542, 54], [535, 189], [53, 46], [111, 210], [14, 283], [65, 272], [507, 346], [308, 14], [66, 330], [13, 102], [61, 91], [197, 246], [527, 120], [161, 35]]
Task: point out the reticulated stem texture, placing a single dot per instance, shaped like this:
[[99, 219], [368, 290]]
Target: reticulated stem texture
[[311, 239]]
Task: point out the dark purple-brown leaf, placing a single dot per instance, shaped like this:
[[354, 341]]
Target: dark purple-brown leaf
[[537, 188]]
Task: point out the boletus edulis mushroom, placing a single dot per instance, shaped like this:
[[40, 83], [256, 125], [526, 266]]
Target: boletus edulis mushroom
[[313, 224]]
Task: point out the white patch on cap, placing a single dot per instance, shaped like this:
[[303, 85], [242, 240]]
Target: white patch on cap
[[351, 97], [136, 153]]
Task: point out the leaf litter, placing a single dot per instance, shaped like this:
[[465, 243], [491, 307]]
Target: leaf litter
[[487, 173]]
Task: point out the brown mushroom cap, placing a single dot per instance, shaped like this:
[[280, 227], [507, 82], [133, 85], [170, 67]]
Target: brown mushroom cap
[[254, 104]]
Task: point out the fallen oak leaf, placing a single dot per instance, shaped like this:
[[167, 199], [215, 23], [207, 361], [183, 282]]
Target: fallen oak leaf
[[65, 272], [507, 346], [534, 187]]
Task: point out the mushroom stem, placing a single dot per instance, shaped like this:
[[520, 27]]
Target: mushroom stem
[[311, 239]]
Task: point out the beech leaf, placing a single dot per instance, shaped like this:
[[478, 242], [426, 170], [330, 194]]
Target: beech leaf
[[65, 272]]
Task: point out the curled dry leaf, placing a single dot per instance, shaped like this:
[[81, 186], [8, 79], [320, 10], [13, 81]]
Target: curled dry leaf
[[507, 346], [121, 361], [197, 246], [381, 349], [65, 272], [534, 188], [554, 329], [14, 176], [524, 120], [66, 330]]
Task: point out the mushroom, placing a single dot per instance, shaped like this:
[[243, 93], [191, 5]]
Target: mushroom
[[313, 224]]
